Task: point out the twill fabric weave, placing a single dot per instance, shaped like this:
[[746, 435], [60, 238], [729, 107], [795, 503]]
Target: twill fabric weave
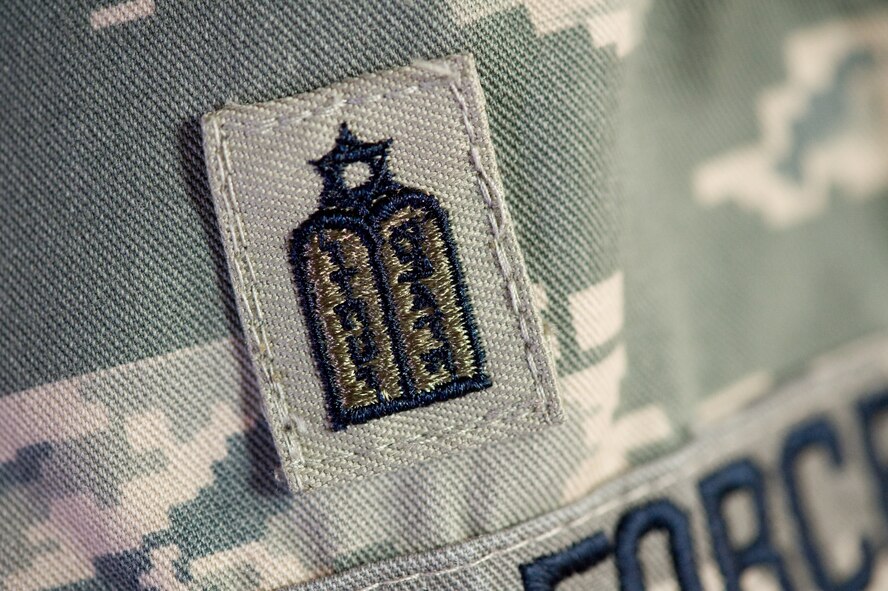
[[697, 190]]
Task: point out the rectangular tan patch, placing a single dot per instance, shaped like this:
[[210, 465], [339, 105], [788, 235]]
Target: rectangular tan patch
[[380, 284]]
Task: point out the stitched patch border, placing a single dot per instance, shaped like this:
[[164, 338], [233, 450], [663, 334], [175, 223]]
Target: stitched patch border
[[522, 396]]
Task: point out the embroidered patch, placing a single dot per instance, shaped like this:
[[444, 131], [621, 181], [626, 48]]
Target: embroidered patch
[[383, 292], [378, 279]]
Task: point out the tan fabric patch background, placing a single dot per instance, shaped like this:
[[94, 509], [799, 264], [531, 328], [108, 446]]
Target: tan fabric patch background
[[264, 187]]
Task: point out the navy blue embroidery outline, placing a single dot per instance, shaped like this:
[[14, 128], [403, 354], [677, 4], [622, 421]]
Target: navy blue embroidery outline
[[819, 433], [661, 514], [740, 476], [545, 572], [361, 209], [868, 412]]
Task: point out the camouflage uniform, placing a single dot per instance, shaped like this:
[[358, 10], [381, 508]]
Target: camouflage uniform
[[697, 190]]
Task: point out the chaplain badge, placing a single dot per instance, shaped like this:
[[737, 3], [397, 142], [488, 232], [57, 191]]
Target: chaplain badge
[[381, 287]]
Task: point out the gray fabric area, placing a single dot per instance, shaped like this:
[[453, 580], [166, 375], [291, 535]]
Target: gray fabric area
[[680, 179], [842, 502]]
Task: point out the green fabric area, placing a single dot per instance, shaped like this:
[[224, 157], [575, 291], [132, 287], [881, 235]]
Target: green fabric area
[[234, 509], [712, 293], [113, 252]]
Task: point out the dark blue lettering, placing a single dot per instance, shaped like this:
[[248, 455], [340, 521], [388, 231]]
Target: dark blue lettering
[[658, 515], [869, 411], [810, 435], [742, 476], [544, 573]]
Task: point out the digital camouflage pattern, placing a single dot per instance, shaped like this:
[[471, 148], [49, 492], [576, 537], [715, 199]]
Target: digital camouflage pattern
[[697, 188]]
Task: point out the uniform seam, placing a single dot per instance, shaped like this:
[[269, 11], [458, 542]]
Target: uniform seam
[[632, 495], [253, 317]]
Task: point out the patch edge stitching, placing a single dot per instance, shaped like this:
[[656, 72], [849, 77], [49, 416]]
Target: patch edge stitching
[[268, 373], [488, 187], [545, 410]]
